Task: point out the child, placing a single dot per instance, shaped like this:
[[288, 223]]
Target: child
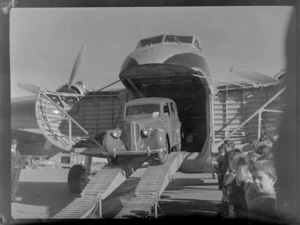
[[264, 179], [260, 191], [218, 165], [233, 155], [237, 196], [251, 159], [266, 153], [244, 180]]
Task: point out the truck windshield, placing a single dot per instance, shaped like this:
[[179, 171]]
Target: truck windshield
[[142, 109]]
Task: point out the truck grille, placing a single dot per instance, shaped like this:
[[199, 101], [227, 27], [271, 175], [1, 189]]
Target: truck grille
[[130, 136]]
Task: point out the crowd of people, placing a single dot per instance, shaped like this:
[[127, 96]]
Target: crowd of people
[[247, 179]]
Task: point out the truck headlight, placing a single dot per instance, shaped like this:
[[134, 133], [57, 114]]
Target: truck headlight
[[117, 133], [147, 131]]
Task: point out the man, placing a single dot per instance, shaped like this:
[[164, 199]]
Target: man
[[15, 169]]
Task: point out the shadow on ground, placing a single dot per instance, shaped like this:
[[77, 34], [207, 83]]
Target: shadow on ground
[[188, 207], [185, 183], [54, 195], [113, 204]]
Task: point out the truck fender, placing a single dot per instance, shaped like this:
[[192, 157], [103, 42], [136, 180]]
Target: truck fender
[[159, 136], [110, 143]]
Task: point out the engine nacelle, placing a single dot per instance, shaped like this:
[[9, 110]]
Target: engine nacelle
[[77, 88]]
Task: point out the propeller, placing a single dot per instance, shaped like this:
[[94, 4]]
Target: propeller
[[29, 87], [35, 89], [254, 76], [76, 66]]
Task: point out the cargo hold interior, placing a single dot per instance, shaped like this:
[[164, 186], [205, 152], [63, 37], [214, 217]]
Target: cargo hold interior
[[189, 94]]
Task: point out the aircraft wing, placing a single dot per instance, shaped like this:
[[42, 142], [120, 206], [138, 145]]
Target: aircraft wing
[[25, 129], [255, 78], [33, 142], [240, 78], [23, 113]]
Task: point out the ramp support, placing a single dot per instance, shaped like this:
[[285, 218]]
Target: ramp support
[[100, 207], [156, 207]]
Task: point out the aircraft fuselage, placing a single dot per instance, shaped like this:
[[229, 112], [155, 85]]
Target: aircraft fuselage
[[165, 66]]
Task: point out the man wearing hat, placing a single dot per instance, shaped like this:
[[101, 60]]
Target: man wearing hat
[[15, 169]]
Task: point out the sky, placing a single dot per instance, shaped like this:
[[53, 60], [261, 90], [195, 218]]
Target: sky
[[44, 42]]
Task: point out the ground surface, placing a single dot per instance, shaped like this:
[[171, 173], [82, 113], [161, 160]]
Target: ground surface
[[45, 193]]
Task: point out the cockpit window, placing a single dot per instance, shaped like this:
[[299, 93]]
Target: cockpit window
[[142, 109], [197, 44], [150, 41], [179, 39]]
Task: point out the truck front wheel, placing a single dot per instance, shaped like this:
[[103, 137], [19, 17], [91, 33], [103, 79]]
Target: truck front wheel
[[77, 179]]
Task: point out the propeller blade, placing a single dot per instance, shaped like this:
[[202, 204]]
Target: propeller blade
[[29, 87], [76, 66], [254, 76]]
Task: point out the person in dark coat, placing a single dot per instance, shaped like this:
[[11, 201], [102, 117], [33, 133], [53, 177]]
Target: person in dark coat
[[15, 170]]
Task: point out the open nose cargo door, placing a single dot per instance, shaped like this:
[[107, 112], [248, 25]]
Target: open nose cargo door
[[66, 120]]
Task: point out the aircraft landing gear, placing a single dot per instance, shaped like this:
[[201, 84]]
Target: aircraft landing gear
[[78, 175], [77, 178]]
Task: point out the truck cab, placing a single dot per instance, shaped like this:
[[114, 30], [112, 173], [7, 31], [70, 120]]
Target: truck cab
[[150, 127]]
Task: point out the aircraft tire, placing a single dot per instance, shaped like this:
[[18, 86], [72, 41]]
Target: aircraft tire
[[163, 156], [76, 179]]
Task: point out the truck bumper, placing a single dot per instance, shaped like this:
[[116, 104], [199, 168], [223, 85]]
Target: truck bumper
[[96, 152], [134, 153]]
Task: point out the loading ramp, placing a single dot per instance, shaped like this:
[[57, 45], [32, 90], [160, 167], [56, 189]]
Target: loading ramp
[[150, 188], [98, 188]]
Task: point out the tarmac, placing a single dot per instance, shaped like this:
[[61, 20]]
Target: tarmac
[[45, 192]]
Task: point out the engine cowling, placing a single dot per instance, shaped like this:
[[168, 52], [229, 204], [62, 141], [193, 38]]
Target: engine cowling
[[76, 88]]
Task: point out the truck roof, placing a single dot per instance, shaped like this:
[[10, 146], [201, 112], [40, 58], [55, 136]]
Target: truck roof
[[149, 100]]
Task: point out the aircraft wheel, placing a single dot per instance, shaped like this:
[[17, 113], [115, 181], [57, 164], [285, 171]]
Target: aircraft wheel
[[113, 160], [163, 155], [77, 178]]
